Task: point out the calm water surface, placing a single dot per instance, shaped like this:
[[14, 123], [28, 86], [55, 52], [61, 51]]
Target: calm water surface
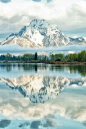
[[40, 96]]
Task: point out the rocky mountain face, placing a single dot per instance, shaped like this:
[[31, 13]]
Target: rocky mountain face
[[39, 33], [41, 88]]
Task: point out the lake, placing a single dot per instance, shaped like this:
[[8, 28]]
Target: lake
[[42, 96]]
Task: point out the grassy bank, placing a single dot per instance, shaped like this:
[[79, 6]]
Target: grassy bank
[[46, 62]]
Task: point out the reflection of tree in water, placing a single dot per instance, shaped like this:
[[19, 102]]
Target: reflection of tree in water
[[35, 68], [8, 67], [26, 67], [78, 68], [2, 66], [57, 67], [81, 69], [19, 66], [30, 67], [14, 65]]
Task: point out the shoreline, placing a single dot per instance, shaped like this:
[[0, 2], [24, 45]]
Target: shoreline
[[46, 62], [70, 63]]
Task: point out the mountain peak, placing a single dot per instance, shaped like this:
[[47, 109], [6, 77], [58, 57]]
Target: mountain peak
[[39, 24], [38, 21]]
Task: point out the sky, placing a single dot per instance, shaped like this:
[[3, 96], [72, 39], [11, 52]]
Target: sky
[[68, 15]]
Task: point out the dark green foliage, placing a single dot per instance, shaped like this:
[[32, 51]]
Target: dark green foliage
[[19, 58], [72, 57], [56, 57], [36, 56], [80, 57], [27, 57], [8, 56], [2, 57]]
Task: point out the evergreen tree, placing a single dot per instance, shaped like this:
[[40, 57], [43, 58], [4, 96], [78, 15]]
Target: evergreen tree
[[36, 56]]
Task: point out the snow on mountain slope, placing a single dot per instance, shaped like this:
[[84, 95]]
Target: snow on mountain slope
[[39, 33]]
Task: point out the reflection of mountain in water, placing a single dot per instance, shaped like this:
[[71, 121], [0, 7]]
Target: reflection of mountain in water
[[41, 88], [38, 88]]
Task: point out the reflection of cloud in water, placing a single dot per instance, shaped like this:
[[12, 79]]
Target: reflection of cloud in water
[[35, 124], [24, 125], [4, 123], [68, 104]]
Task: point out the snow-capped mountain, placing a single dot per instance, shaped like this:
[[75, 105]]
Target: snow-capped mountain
[[39, 33]]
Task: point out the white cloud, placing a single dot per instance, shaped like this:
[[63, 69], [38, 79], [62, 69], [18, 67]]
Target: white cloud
[[68, 15], [85, 38]]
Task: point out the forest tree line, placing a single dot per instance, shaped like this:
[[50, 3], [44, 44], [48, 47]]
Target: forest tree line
[[75, 57]]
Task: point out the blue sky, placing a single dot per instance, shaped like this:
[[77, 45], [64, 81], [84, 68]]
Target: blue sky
[[69, 15]]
